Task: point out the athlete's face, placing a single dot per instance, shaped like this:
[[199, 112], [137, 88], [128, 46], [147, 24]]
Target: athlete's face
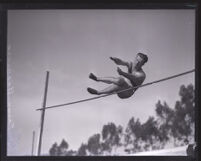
[[139, 61]]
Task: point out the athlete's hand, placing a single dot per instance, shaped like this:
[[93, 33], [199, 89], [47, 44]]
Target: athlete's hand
[[119, 71], [116, 60]]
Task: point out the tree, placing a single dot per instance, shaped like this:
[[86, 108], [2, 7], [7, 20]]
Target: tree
[[142, 136], [62, 148], [150, 133], [171, 123], [54, 150], [177, 122], [71, 153], [184, 119], [135, 127], [165, 117], [94, 145], [82, 151], [111, 135], [187, 95], [133, 136]]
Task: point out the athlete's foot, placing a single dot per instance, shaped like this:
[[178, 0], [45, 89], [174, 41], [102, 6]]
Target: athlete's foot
[[92, 76], [92, 91]]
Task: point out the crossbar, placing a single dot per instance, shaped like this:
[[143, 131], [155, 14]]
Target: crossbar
[[105, 95]]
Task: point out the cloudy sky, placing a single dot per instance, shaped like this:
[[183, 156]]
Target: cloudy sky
[[71, 44]]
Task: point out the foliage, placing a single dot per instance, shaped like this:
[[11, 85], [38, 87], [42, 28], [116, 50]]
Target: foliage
[[171, 124], [93, 145], [82, 151], [61, 150]]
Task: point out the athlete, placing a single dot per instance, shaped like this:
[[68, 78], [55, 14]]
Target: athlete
[[134, 77]]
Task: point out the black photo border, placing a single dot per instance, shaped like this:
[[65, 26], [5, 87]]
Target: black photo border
[[96, 4]]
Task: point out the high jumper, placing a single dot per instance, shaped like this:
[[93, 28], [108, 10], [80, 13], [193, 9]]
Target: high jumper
[[134, 77]]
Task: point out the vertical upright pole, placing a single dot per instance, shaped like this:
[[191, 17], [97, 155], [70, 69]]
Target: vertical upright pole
[[33, 140], [43, 113]]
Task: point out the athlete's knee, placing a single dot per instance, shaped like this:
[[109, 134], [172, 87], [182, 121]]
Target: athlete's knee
[[120, 81]]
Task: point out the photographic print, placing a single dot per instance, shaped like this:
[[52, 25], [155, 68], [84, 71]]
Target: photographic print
[[101, 82]]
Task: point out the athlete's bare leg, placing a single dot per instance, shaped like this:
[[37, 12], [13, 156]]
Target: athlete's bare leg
[[108, 80], [111, 89]]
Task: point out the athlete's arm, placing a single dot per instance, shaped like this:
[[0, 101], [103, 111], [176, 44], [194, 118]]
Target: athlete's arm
[[126, 75], [119, 61]]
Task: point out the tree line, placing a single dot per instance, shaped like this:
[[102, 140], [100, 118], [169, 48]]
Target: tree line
[[170, 127]]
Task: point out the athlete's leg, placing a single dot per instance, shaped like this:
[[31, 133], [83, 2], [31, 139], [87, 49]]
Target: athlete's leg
[[112, 88], [108, 80]]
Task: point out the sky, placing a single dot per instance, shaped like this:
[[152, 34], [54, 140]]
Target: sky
[[72, 43]]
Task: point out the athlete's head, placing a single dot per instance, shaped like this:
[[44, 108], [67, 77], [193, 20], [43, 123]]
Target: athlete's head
[[143, 56], [140, 60]]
